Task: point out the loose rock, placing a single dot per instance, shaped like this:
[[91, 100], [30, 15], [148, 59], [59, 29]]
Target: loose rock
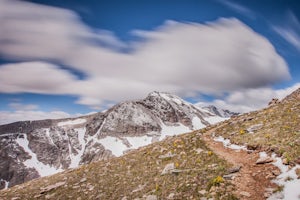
[[168, 169], [234, 169], [151, 197], [246, 194], [264, 160], [51, 187], [167, 155]]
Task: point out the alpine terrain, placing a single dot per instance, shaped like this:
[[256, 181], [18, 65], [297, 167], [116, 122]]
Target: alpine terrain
[[251, 156], [33, 149]]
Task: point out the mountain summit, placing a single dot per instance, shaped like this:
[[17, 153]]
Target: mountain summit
[[31, 149]]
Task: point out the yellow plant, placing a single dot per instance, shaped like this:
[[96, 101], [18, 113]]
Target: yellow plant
[[268, 135], [242, 132], [156, 187], [217, 181], [175, 144], [210, 153]]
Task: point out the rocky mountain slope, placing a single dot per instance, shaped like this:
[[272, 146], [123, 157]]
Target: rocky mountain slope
[[175, 168], [275, 133], [219, 112], [261, 149], [273, 129], [215, 110], [32, 149]]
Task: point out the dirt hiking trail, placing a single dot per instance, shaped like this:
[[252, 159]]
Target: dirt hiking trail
[[253, 179]]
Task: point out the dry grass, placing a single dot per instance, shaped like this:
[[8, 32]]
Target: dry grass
[[138, 174], [279, 133], [198, 170]]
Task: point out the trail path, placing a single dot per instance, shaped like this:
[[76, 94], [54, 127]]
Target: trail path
[[252, 180]]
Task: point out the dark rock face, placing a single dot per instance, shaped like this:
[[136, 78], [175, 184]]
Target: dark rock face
[[129, 118], [25, 126], [12, 157], [25, 155], [220, 112], [31, 149]]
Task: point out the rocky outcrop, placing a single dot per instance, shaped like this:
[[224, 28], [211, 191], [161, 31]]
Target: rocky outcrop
[[31, 149], [220, 112], [130, 118], [273, 102]]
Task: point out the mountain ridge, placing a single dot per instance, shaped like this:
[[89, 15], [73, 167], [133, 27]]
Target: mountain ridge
[[192, 165], [36, 148]]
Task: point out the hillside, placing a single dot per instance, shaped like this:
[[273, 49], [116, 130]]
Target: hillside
[[273, 129], [33, 149], [193, 171], [241, 158]]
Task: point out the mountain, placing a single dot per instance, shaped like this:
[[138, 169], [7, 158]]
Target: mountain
[[251, 156], [220, 112], [31, 149], [217, 111]]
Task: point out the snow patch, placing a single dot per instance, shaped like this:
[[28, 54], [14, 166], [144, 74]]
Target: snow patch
[[215, 119], [137, 142], [6, 183], [202, 109], [197, 124], [170, 98], [227, 143], [115, 145], [48, 136], [288, 179], [177, 101], [173, 130], [33, 162], [72, 122], [99, 130]]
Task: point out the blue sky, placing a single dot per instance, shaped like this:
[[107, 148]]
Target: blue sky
[[65, 58]]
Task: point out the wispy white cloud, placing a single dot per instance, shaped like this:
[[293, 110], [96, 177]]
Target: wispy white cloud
[[23, 112], [182, 58], [22, 115], [290, 31], [23, 107], [238, 8], [289, 35], [251, 99]]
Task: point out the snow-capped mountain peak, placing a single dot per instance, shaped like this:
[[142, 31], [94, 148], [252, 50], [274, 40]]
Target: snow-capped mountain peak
[[39, 148]]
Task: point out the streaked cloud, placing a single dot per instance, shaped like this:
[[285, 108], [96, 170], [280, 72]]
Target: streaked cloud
[[290, 31], [21, 115], [182, 58], [35, 77], [23, 107], [251, 99], [238, 8], [24, 112]]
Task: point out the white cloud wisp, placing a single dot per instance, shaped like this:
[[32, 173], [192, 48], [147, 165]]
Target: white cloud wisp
[[181, 58], [251, 99]]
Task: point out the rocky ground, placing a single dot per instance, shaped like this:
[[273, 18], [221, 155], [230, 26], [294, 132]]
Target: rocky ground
[[33, 149], [192, 165], [252, 177], [181, 167]]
